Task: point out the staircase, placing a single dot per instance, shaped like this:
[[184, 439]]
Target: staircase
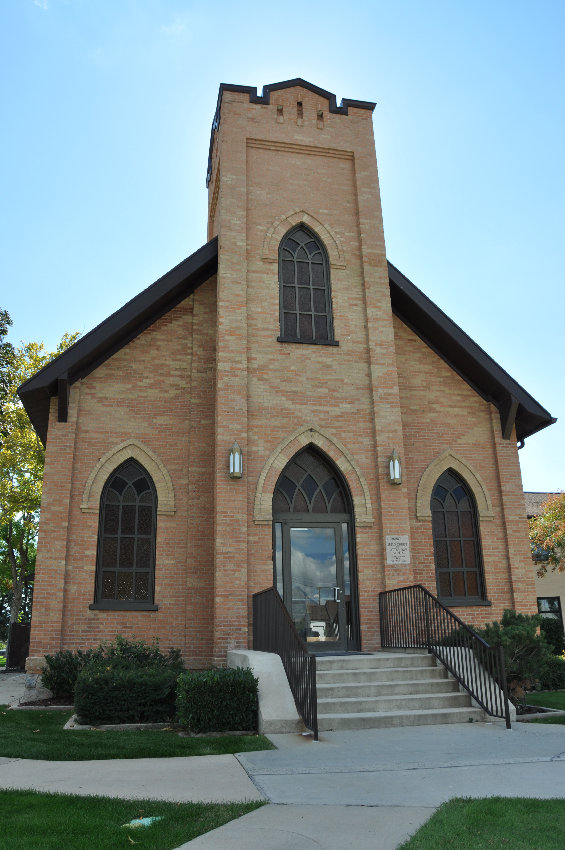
[[388, 689]]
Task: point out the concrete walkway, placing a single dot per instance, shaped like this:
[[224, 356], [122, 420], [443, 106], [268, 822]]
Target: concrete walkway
[[362, 789]]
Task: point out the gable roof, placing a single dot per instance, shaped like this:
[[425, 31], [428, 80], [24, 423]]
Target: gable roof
[[409, 303]]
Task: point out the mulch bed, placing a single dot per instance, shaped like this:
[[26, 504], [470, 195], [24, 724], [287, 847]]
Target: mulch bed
[[49, 701]]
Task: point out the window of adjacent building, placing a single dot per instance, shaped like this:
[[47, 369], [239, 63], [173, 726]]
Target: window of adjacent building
[[550, 606], [304, 286], [457, 547], [125, 562]]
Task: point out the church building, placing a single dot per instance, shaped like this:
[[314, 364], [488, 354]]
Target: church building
[[283, 408]]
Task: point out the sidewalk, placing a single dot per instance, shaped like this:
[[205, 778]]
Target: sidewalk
[[367, 789]]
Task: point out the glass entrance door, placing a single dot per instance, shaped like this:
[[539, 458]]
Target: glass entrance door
[[312, 562]]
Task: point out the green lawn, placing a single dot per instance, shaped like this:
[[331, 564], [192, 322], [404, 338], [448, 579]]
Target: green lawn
[[549, 699], [492, 824], [40, 735], [34, 821]]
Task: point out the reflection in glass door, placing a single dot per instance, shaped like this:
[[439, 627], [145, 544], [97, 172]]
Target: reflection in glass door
[[313, 579]]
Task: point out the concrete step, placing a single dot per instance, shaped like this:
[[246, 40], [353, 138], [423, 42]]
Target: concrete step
[[376, 660], [387, 719], [388, 689], [402, 702], [383, 689], [378, 674]]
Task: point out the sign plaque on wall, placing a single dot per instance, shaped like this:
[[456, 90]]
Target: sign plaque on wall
[[397, 549]]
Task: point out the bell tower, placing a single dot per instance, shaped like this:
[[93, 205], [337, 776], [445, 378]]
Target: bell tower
[[294, 157]]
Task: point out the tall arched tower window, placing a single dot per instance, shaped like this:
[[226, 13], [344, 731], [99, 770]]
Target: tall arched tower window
[[457, 545], [304, 287], [125, 560]]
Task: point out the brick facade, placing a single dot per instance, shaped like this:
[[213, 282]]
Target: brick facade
[[210, 372]]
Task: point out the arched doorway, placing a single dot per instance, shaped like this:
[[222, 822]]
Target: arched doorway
[[314, 552]]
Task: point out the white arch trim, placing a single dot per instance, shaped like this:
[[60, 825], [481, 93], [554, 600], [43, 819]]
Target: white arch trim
[[282, 225], [344, 460], [449, 460], [115, 457]]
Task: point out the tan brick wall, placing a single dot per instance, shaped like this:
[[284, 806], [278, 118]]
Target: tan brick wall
[[158, 389], [440, 411]]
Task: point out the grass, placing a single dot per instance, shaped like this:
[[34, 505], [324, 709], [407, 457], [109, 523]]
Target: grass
[[40, 735], [548, 699], [493, 823], [35, 821]]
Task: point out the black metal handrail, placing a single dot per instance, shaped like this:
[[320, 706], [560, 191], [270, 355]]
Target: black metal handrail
[[274, 631], [413, 618]]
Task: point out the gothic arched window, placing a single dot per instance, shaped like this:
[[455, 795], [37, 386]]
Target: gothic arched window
[[125, 560], [457, 545], [304, 287]]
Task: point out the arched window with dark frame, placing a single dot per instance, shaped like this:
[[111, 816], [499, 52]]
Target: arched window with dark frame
[[457, 545], [304, 289], [125, 559]]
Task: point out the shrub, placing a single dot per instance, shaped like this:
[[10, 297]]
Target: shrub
[[552, 676], [61, 670], [118, 691], [218, 700], [552, 629], [142, 654], [526, 653]]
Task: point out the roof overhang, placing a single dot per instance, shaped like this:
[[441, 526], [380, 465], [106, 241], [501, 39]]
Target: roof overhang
[[115, 332], [515, 405]]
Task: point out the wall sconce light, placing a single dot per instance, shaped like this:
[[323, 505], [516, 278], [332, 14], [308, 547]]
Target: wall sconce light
[[236, 461], [395, 468]]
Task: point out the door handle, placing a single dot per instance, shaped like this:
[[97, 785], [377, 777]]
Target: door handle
[[337, 591]]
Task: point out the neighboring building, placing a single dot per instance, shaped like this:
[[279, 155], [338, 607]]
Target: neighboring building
[[550, 587], [373, 443]]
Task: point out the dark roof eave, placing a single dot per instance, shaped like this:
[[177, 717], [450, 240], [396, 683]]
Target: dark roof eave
[[116, 331], [467, 358]]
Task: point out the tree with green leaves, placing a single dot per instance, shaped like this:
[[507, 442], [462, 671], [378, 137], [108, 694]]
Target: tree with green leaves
[[547, 533], [21, 470]]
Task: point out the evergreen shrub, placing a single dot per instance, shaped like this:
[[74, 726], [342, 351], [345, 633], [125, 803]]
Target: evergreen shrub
[[118, 691], [218, 700], [552, 629], [552, 676], [62, 669], [526, 653]]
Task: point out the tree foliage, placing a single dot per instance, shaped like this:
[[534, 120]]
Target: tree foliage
[[547, 532], [21, 470]]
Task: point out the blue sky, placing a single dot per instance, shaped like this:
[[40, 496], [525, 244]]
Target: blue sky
[[106, 109]]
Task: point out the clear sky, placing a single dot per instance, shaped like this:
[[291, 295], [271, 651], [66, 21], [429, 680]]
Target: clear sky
[[106, 107]]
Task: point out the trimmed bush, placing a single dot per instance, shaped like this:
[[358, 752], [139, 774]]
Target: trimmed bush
[[117, 691], [218, 700], [61, 670], [552, 629], [141, 654]]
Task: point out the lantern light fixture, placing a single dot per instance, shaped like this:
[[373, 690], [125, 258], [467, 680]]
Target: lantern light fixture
[[395, 468], [236, 461]]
